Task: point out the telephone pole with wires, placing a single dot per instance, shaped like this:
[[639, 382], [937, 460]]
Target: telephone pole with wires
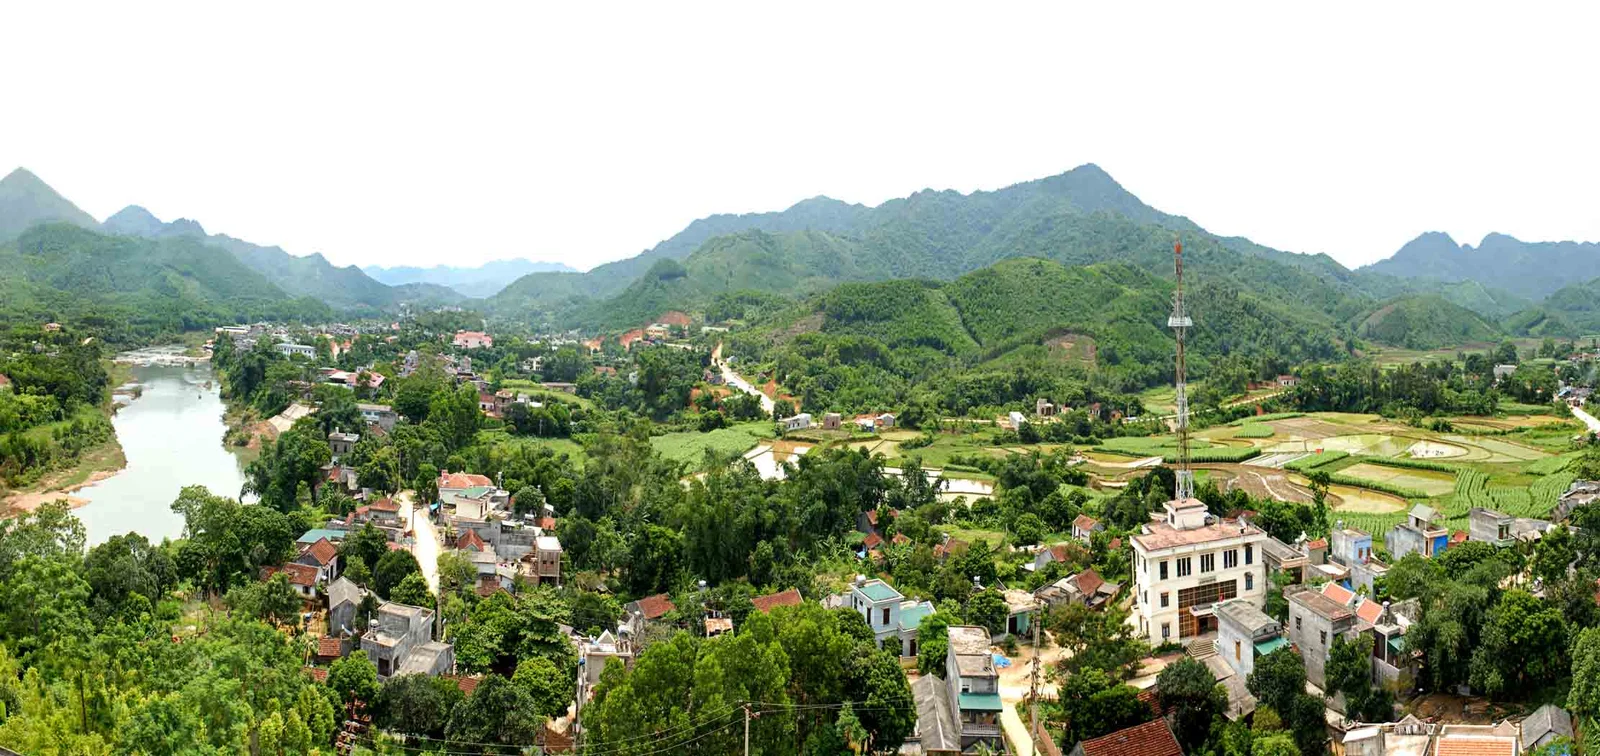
[[1033, 684]]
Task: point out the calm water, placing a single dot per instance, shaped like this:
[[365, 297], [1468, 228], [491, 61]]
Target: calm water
[[172, 435]]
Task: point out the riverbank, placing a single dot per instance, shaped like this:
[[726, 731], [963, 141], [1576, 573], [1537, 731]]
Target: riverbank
[[93, 465]]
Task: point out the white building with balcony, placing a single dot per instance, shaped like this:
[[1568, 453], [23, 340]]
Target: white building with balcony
[[1188, 562]]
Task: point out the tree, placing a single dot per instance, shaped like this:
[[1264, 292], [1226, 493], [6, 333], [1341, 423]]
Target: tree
[[988, 609], [933, 643], [1093, 703], [499, 712], [1188, 688], [594, 612], [354, 678], [1279, 682], [416, 704], [1553, 554], [412, 591], [1349, 671], [1094, 639], [1028, 529], [392, 569], [272, 600], [1584, 698], [1523, 643], [547, 686]]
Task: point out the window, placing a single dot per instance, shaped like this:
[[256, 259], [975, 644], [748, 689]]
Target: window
[[1322, 637], [1249, 554], [1249, 581], [1208, 563], [1299, 624], [1230, 559], [1166, 630], [1185, 566], [886, 615], [1163, 599], [1163, 569], [1236, 656]]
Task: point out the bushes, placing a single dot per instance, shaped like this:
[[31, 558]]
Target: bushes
[[1413, 464], [1270, 416], [1375, 485], [1308, 463], [1254, 430]]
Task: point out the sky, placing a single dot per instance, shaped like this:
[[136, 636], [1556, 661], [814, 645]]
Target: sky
[[457, 133]]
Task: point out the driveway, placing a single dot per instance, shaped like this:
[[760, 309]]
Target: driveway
[[425, 540]]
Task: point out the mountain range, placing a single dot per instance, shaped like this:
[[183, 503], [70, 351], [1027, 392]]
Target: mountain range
[[480, 281], [1432, 293]]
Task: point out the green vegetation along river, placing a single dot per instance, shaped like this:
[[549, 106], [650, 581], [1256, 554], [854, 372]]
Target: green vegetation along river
[[172, 436]]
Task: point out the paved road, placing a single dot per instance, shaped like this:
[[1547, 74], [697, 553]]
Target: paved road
[[425, 541], [1014, 684], [735, 380], [1588, 419]]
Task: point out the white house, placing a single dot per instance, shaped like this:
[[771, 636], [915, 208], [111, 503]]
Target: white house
[[291, 350], [1187, 563], [798, 422]]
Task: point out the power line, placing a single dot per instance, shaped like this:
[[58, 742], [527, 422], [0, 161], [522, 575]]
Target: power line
[[604, 746]]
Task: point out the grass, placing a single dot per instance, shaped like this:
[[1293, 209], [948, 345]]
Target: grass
[[690, 446], [974, 535]]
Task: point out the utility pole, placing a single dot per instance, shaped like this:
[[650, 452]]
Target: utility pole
[[1033, 685], [747, 730]]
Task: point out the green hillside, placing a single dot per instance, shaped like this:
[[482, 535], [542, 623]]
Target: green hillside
[[347, 288], [129, 288], [1424, 322], [25, 201]]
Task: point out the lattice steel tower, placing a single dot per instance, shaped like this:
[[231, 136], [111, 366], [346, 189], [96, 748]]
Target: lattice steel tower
[[1180, 323]]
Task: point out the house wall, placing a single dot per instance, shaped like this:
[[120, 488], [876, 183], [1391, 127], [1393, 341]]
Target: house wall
[[1148, 585], [1403, 540], [1313, 635], [1236, 647]]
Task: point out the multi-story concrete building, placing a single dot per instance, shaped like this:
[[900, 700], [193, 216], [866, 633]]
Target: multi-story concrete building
[[1244, 633], [1314, 621], [893, 619], [400, 642], [1187, 563], [974, 686], [1420, 534]]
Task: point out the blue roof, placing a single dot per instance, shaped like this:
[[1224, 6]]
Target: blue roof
[[877, 590], [980, 702], [316, 534], [1272, 644], [911, 616]]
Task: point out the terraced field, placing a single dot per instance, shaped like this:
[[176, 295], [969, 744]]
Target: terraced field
[[1426, 481]]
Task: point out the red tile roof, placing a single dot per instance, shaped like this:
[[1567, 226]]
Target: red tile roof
[[317, 673], [1152, 738], [299, 574], [654, 606], [1320, 543], [899, 538], [385, 505], [463, 480], [471, 540], [1115, 543], [790, 597], [1369, 611], [872, 541], [1457, 745], [547, 523], [1084, 522], [872, 517], [1460, 536], [1338, 593], [323, 551], [329, 647], [1089, 581]]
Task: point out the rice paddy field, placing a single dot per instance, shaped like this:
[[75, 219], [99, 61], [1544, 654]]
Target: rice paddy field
[[1429, 482]]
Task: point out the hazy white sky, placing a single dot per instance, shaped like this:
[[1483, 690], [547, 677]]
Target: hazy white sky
[[456, 133]]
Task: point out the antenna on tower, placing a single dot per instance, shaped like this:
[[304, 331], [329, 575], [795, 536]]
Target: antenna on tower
[[1180, 324]]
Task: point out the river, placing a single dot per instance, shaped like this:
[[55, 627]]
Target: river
[[172, 437]]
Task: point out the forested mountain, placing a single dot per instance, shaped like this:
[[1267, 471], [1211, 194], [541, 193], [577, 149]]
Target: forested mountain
[[484, 280], [309, 276], [128, 288], [1081, 217], [1532, 270], [1060, 321], [1424, 321], [25, 201]]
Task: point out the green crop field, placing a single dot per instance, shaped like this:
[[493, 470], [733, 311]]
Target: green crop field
[[1254, 430], [691, 446], [1426, 482]]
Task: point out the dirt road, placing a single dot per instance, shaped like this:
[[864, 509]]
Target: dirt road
[[1014, 685]]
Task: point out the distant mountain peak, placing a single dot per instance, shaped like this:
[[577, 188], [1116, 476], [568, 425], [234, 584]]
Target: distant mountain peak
[[27, 201], [185, 227]]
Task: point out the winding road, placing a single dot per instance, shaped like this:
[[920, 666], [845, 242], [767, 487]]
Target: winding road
[[1588, 419], [735, 380]]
